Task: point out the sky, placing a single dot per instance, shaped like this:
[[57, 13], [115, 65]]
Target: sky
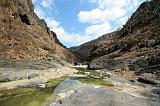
[[78, 21]]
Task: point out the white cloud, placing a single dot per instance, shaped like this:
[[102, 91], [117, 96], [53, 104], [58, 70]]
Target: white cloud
[[40, 13], [52, 23], [99, 19], [107, 11], [98, 16], [55, 26], [93, 16], [47, 3], [64, 36], [111, 3], [98, 30], [92, 1], [122, 20]]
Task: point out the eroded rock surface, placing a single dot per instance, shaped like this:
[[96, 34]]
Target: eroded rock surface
[[135, 45], [74, 93], [25, 37]]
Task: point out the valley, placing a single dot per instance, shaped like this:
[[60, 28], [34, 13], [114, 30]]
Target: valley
[[73, 88], [120, 68]]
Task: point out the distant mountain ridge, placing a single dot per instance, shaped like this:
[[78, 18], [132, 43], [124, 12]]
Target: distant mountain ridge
[[82, 51]]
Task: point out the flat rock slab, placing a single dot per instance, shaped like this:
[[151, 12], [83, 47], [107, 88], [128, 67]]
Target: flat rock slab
[[89, 96], [77, 75]]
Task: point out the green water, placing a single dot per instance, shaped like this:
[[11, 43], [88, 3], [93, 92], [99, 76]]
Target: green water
[[42, 96], [29, 96], [93, 81]]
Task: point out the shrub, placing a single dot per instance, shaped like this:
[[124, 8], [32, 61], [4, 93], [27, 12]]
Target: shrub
[[136, 40]]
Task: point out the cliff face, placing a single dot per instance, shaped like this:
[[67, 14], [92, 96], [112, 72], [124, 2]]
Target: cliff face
[[136, 45], [25, 37]]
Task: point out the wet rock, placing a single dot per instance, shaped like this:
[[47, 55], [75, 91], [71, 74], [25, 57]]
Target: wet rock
[[67, 87]]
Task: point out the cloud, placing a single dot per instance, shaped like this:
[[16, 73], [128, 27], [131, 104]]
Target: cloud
[[99, 16], [98, 29], [99, 19], [93, 16], [47, 3], [107, 12], [112, 3], [40, 13], [54, 25], [64, 36]]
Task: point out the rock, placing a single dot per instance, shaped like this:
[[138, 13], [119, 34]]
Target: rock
[[89, 96], [31, 84], [67, 87], [77, 75], [10, 74], [96, 77], [42, 85], [136, 45], [148, 81], [87, 73], [151, 42], [26, 37], [82, 51], [136, 63]]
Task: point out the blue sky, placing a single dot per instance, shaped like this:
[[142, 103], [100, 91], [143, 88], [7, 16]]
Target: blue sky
[[78, 21]]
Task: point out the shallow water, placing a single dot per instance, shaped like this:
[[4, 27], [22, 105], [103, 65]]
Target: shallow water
[[72, 91], [41, 96], [29, 96]]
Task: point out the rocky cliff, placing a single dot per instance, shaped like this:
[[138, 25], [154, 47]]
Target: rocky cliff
[[136, 45], [25, 37]]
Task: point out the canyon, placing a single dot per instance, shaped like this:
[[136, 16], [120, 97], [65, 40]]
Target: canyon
[[121, 68]]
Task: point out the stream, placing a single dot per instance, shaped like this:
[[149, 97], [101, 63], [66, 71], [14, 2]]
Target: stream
[[82, 89]]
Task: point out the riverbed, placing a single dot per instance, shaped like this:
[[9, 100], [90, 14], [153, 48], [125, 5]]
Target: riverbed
[[85, 88]]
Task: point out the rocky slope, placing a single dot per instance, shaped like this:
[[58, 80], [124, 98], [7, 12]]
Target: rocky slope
[[139, 38], [135, 47], [25, 37], [82, 51]]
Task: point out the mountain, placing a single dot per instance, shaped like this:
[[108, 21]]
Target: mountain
[[26, 37], [136, 45], [82, 52]]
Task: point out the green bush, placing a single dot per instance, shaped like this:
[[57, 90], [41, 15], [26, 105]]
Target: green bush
[[136, 40]]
